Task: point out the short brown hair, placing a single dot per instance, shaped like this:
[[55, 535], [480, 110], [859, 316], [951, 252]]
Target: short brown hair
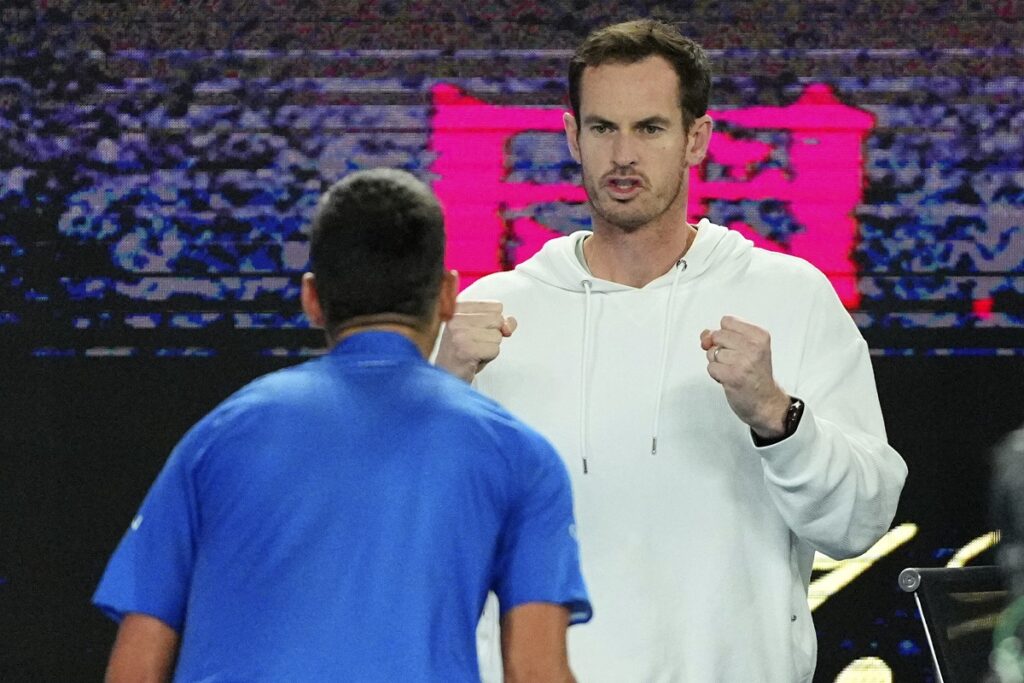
[[633, 41]]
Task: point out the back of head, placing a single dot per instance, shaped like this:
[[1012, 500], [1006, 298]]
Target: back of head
[[633, 41], [377, 249]]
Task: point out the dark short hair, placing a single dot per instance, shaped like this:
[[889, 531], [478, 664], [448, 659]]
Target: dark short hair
[[633, 41], [377, 247]]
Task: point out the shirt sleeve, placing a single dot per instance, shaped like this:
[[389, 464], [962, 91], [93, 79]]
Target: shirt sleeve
[[836, 481], [151, 569], [538, 558]]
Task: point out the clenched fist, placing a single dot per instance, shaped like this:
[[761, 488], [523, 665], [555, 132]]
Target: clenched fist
[[740, 359], [472, 338]]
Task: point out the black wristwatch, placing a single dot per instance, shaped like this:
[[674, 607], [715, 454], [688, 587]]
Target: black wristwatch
[[791, 422]]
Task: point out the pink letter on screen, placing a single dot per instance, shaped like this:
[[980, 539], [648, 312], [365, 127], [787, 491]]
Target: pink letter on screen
[[470, 139], [820, 186]]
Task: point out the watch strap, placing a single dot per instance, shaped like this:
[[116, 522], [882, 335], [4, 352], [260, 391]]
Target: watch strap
[[790, 423]]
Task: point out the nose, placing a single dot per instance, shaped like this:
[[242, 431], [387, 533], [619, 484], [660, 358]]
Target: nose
[[624, 151]]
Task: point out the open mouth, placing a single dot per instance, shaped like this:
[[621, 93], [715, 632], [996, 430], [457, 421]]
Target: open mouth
[[623, 188]]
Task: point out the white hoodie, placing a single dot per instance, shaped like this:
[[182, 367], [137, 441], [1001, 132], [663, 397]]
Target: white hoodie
[[697, 555]]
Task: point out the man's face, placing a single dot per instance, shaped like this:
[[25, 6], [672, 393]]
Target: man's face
[[631, 143]]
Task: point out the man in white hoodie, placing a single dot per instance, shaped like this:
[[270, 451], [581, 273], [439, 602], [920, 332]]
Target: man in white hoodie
[[714, 402]]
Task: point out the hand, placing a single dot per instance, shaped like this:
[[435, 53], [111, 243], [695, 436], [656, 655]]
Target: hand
[[740, 359], [472, 337]]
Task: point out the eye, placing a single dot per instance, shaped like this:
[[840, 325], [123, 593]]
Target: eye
[[599, 128], [651, 129]]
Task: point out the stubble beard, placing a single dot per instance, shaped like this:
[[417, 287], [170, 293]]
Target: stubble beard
[[631, 216]]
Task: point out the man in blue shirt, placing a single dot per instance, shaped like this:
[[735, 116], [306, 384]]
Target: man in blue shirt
[[344, 519]]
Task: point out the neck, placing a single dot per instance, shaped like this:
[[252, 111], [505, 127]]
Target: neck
[[636, 258], [421, 333]]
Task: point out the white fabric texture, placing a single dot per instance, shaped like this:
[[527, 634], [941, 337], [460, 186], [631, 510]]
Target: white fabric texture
[[698, 555]]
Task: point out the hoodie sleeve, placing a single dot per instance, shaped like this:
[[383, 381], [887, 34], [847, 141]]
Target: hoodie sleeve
[[836, 481]]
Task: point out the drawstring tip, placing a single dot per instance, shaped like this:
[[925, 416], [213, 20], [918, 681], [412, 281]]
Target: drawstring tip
[[584, 465], [654, 445]]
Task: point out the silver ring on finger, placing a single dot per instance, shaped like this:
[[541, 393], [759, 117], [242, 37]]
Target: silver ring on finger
[[714, 356]]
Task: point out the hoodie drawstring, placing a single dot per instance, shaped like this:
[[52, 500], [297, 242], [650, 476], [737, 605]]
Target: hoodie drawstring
[[587, 284], [665, 338]]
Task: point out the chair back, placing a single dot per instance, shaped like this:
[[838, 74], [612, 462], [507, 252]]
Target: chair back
[[959, 608]]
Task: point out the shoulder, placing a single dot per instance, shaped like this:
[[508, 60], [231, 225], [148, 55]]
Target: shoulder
[[785, 265], [456, 396], [498, 286], [731, 257], [261, 403], [485, 419], [288, 386], [796, 277]]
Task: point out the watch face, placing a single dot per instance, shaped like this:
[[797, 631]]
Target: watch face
[[796, 411]]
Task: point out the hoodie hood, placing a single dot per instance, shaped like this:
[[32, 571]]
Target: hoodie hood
[[556, 264]]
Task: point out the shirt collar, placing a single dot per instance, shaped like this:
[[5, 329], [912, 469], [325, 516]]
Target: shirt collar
[[376, 343]]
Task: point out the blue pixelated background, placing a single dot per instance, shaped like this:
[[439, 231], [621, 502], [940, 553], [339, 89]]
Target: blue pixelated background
[[159, 161]]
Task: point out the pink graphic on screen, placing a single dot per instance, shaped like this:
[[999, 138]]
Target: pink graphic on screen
[[820, 185]]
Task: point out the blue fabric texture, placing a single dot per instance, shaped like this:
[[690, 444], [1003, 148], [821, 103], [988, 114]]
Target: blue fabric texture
[[344, 519]]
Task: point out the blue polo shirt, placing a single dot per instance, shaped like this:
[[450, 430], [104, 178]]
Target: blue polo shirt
[[344, 519]]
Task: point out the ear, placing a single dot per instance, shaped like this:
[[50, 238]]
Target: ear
[[699, 139], [572, 132], [446, 297], [311, 302]]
